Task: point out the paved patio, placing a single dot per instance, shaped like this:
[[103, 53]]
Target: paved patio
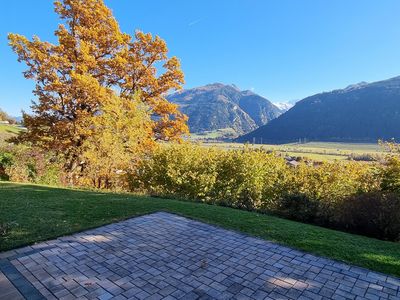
[[164, 256]]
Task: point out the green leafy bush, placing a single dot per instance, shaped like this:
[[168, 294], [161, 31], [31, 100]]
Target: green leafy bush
[[376, 214], [298, 207], [6, 160], [249, 179], [257, 180], [177, 170], [21, 163], [329, 183], [391, 175]]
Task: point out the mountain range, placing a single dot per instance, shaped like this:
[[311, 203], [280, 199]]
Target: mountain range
[[224, 108], [363, 112]]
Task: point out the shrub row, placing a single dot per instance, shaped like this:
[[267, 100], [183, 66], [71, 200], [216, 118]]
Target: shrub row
[[331, 194]]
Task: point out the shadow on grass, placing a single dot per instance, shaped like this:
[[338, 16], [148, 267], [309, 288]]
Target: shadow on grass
[[44, 212]]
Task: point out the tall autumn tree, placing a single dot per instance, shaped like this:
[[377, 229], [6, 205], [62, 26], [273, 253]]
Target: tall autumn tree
[[93, 61], [118, 143]]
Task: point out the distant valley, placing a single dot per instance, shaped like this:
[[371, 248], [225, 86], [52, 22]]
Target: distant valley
[[360, 113]]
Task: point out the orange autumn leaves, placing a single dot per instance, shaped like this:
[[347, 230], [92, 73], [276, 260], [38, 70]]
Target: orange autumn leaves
[[93, 62]]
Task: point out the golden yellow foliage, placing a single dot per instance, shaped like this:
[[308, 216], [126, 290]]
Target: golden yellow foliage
[[121, 135], [249, 178], [92, 61]]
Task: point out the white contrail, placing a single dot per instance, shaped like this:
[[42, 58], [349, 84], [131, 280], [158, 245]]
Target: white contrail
[[194, 22]]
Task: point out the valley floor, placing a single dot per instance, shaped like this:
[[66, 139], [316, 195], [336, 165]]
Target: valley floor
[[319, 151]]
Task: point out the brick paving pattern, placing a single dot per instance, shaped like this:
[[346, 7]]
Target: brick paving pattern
[[164, 256], [7, 289]]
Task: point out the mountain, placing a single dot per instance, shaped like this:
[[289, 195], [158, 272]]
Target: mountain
[[364, 112], [19, 119], [285, 105], [224, 107]]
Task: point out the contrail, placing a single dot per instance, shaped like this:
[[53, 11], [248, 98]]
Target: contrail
[[194, 22]]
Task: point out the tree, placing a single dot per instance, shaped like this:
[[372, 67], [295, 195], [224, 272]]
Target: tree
[[5, 117], [93, 62], [122, 134], [390, 171]]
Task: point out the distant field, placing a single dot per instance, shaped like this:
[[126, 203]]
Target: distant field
[[7, 131], [315, 150], [215, 134], [340, 146], [9, 128]]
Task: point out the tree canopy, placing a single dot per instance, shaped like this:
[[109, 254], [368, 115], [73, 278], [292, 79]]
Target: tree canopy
[[93, 62]]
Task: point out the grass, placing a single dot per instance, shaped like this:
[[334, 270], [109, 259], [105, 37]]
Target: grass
[[8, 131], [353, 147], [40, 212], [214, 134], [9, 128]]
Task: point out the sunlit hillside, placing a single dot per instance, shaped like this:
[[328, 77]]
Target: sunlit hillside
[[7, 131]]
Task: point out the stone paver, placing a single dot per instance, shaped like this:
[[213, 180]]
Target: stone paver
[[7, 289], [164, 256]]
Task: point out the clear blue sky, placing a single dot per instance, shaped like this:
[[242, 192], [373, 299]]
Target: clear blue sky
[[282, 49]]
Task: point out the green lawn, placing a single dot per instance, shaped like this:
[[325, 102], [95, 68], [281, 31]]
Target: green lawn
[[41, 213], [9, 128]]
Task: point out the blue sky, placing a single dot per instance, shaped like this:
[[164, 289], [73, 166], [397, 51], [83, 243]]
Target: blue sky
[[282, 49]]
